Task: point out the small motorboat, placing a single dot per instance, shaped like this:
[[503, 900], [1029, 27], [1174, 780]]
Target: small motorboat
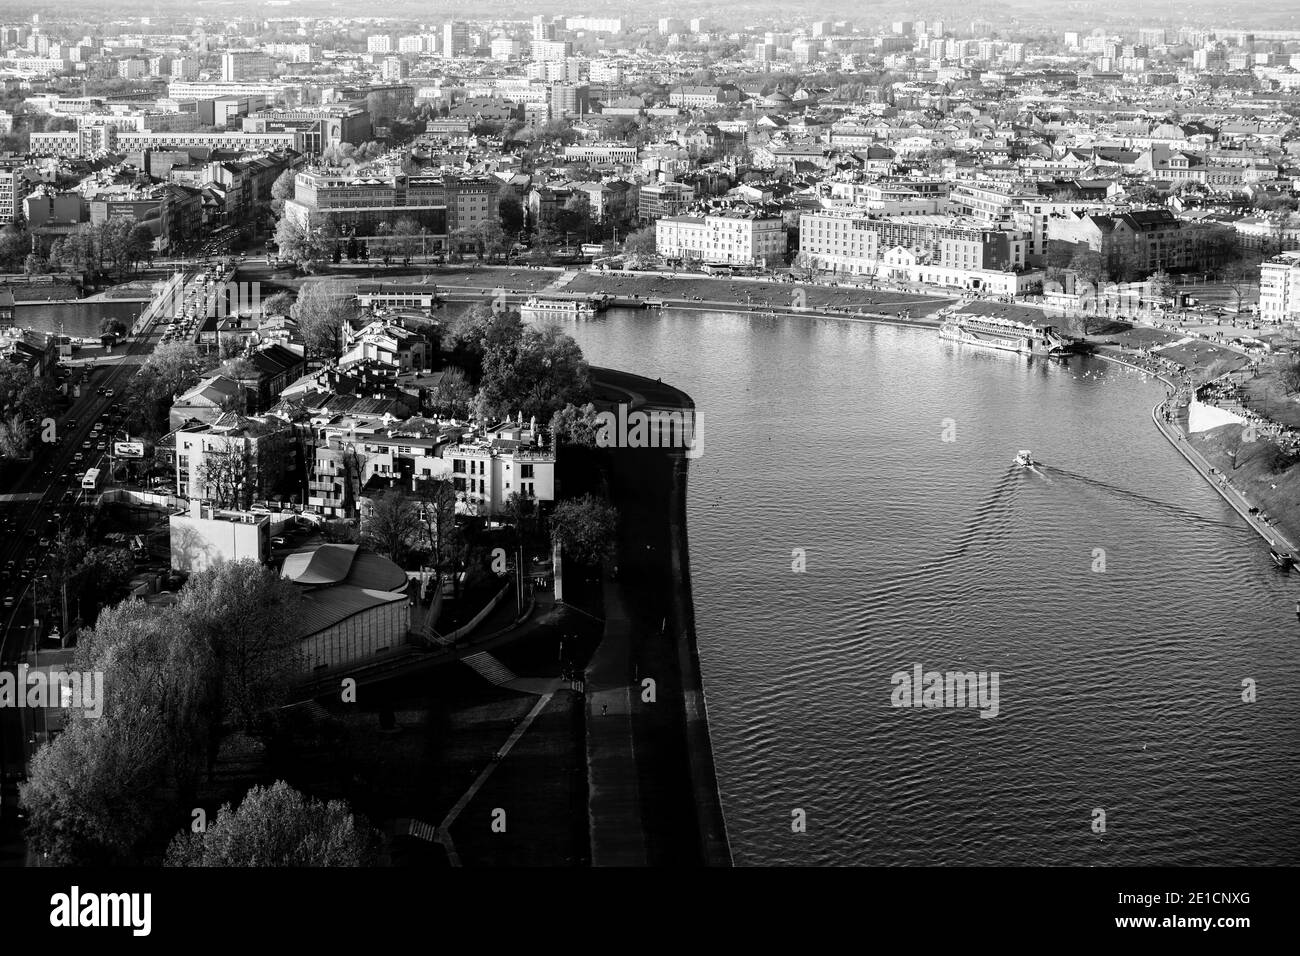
[[1024, 459], [1283, 559]]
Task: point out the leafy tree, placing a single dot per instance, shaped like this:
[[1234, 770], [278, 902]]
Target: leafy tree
[[278, 304], [249, 618], [454, 396], [409, 236], [15, 246], [585, 528], [511, 211], [640, 245], [105, 572], [470, 334], [321, 309], [24, 393], [1162, 285], [536, 376], [281, 190], [15, 439], [575, 425], [301, 246], [278, 826], [96, 792]]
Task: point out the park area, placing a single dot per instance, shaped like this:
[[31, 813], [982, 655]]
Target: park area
[[755, 293]]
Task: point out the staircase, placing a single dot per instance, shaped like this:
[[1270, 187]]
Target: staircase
[[489, 668]]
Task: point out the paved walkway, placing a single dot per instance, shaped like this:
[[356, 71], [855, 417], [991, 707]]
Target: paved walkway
[[1178, 438], [614, 805], [444, 828]]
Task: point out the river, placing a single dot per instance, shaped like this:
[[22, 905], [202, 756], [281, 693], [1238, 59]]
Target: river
[[1120, 601], [77, 319]]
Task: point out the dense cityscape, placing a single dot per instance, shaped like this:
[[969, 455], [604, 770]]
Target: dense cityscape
[[312, 506]]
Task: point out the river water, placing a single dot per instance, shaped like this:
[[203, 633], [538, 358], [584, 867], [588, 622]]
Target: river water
[[77, 319], [1120, 601]]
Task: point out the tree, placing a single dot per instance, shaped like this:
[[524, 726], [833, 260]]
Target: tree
[[281, 190], [249, 617], [1088, 265], [391, 524], [96, 792], [436, 499], [15, 440], [1290, 378], [1238, 275], [408, 235], [511, 211], [278, 304], [535, 377], [470, 334], [1162, 285], [574, 425], [112, 326], [105, 571], [321, 310], [454, 396], [585, 528], [640, 245], [278, 826], [15, 245], [299, 245], [24, 393], [227, 478]]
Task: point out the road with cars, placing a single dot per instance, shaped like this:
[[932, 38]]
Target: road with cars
[[35, 503]]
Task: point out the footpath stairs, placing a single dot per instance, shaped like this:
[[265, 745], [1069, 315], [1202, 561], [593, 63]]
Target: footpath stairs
[[489, 668]]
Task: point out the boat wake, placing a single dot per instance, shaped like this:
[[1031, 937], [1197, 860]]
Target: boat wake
[[992, 518], [1144, 499]]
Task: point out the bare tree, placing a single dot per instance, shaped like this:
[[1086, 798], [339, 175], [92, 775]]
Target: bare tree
[[227, 478], [392, 524]]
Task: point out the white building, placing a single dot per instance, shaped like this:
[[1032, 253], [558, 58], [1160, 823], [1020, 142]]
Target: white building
[[838, 241], [14, 187], [734, 237], [203, 536], [506, 49], [1279, 288]]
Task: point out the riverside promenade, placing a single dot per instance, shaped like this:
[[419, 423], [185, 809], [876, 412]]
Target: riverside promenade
[[653, 794], [1177, 437]]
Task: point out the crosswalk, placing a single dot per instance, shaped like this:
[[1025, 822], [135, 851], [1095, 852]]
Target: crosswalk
[[489, 668]]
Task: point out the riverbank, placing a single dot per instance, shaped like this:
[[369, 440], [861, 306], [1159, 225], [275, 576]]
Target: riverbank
[[1255, 478], [656, 755]]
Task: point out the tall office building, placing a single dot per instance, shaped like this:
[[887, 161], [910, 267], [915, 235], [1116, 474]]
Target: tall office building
[[568, 99], [455, 39], [543, 28], [240, 66]]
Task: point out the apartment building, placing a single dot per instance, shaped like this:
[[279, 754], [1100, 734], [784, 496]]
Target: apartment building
[[1279, 288], [14, 187], [505, 461], [733, 237], [944, 241], [442, 204], [240, 142], [601, 153], [838, 241], [663, 199], [1144, 241], [246, 66], [703, 97]]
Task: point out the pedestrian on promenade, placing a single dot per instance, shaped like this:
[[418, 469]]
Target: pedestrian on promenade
[[604, 710]]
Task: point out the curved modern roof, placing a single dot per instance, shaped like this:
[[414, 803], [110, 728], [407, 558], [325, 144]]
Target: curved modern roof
[[343, 564], [328, 564]]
